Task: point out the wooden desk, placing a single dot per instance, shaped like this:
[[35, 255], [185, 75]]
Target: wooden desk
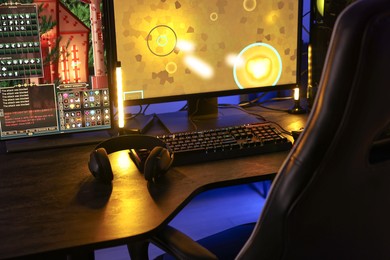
[[50, 203]]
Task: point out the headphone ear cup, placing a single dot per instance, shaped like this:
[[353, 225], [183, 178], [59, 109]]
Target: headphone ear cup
[[158, 162], [99, 165]]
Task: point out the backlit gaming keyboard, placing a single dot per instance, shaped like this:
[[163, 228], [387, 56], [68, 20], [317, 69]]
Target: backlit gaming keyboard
[[224, 143]]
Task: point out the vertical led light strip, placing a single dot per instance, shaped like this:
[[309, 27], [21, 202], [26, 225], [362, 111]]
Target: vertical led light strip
[[309, 67], [119, 89], [309, 90], [296, 94]]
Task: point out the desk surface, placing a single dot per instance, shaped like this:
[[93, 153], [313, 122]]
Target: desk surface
[[51, 203]]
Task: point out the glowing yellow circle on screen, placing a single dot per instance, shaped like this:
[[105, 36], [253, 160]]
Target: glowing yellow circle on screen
[[258, 67], [213, 16], [258, 64], [249, 5], [171, 67], [161, 40]]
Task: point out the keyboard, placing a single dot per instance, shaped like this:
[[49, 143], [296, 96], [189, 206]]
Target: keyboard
[[222, 143]]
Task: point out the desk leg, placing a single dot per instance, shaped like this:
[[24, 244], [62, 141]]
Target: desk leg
[[138, 250]]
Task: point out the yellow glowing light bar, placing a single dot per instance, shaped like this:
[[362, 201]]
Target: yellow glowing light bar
[[119, 89], [310, 66], [296, 94], [321, 6]]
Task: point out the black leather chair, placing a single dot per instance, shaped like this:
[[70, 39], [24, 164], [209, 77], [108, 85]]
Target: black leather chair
[[331, 197]]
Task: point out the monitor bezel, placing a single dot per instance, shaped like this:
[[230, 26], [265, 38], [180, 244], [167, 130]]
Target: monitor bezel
[[109, 21]]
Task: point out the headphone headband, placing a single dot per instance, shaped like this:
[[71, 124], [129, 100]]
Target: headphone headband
[[125, 142], [157, 162]]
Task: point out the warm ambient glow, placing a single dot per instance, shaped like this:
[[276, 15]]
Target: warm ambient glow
[[272, 17], [259, 67], [119, 87], [122, 163]]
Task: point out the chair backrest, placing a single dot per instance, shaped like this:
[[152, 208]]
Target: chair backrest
[[331, 197]]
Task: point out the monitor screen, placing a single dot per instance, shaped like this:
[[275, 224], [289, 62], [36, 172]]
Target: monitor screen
[[173, 50], [53, 77]]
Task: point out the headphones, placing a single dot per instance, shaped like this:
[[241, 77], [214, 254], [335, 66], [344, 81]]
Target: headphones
[[156, 164]]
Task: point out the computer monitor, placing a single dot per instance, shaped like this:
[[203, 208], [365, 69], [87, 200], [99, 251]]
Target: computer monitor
[[53, 79], [197, 50]]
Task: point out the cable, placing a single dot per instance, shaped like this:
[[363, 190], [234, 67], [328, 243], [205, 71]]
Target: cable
[[258, 116], [242, 109], [253, 103], [250, 102], [146, 107], [191, 116], [130, 116]]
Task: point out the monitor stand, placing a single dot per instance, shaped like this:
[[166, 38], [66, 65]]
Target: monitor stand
[[204, 114]]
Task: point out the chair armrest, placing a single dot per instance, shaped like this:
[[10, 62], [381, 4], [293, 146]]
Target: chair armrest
[[180, 245]]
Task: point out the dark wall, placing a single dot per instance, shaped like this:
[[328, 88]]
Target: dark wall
[[321, 26]]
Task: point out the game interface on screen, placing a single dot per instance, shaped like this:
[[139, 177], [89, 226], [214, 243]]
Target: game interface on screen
[[185, 47]]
